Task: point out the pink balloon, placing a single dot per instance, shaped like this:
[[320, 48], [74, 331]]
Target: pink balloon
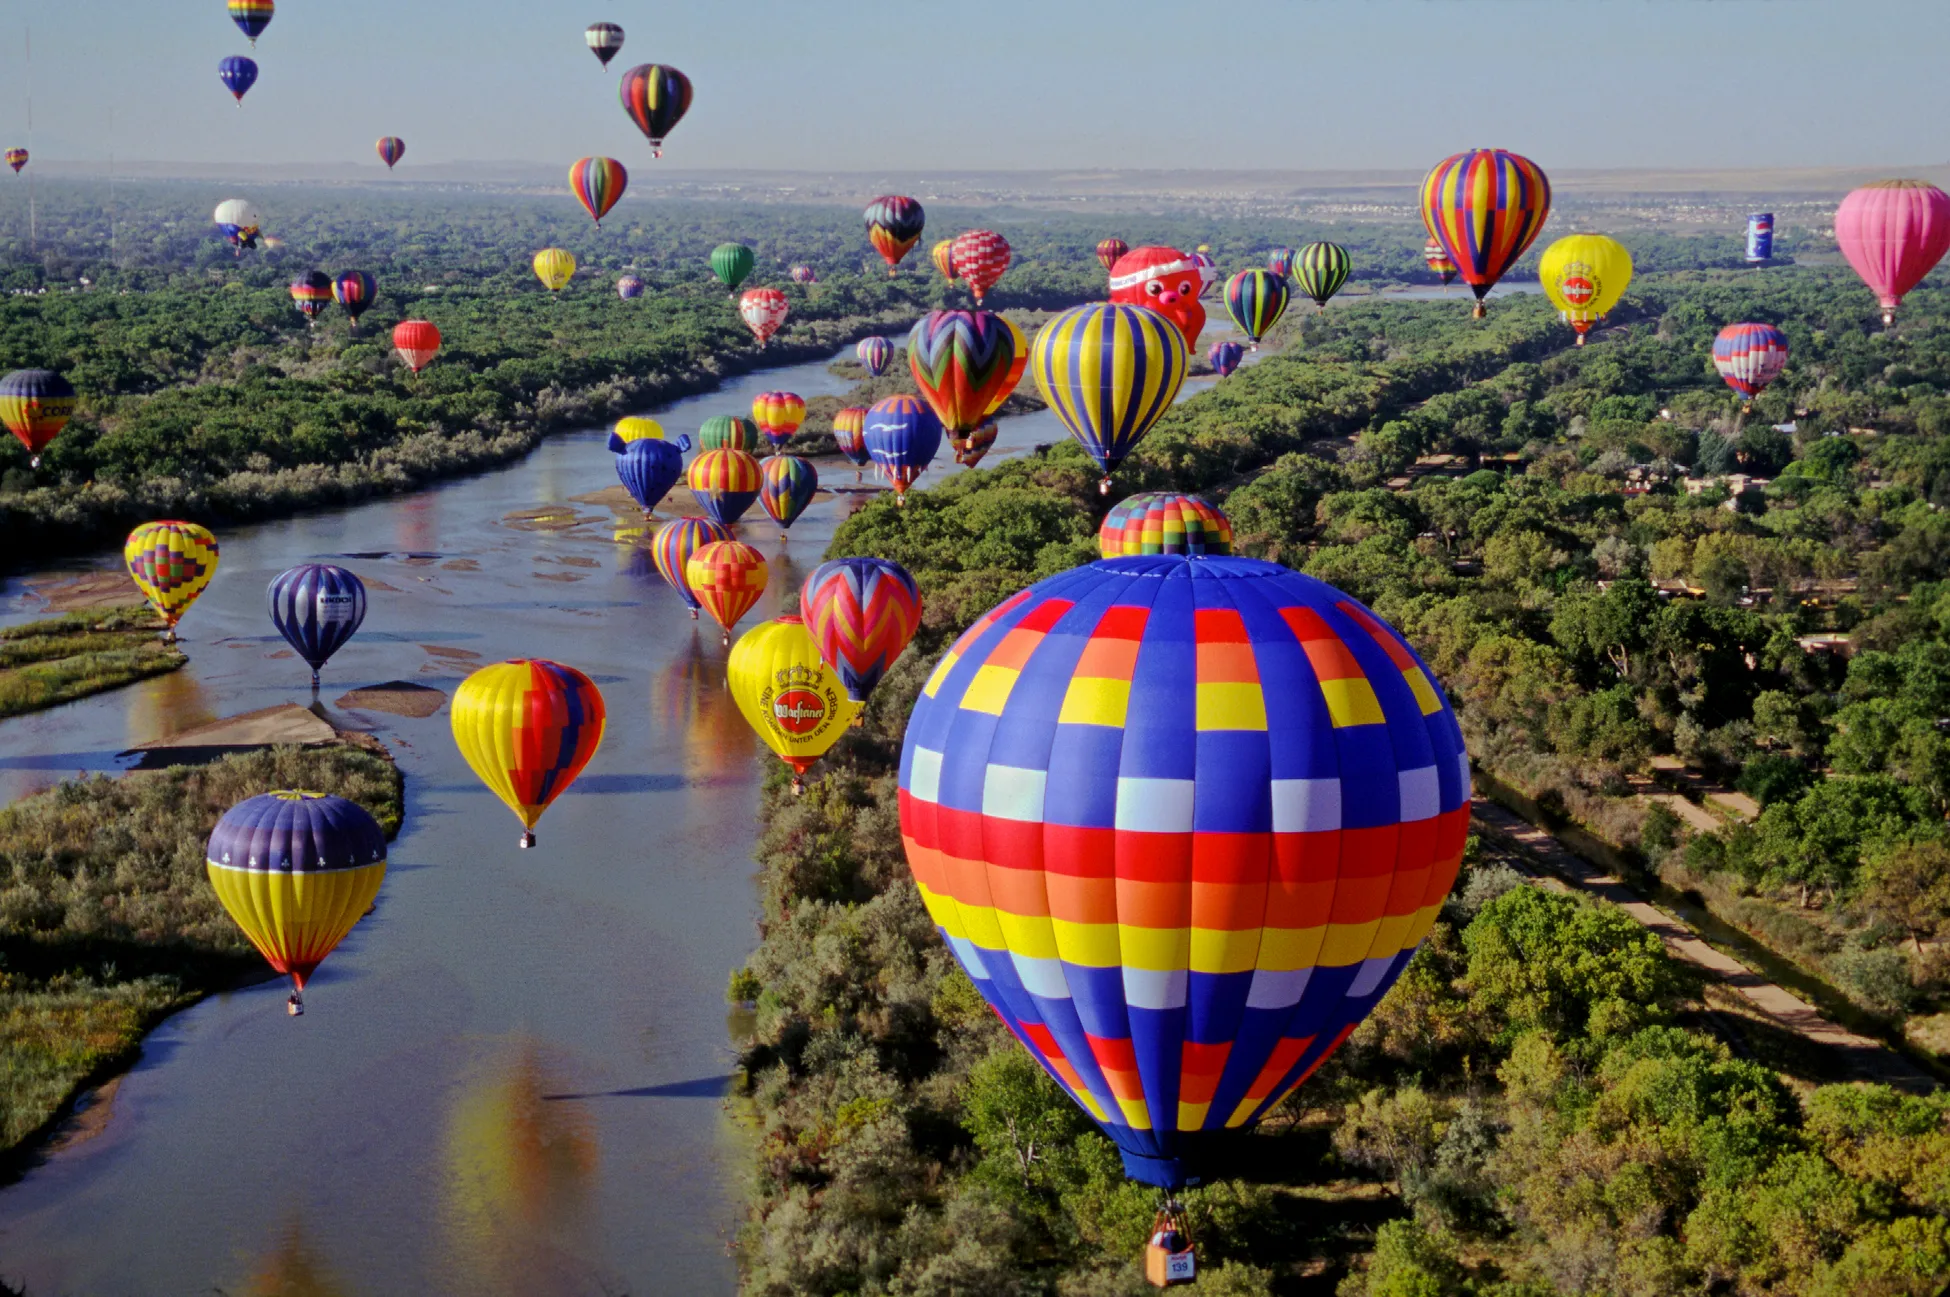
[[1893, 232]]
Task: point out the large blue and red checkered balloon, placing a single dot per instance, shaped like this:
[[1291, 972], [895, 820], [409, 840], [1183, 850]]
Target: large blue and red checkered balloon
[[1183, 821]]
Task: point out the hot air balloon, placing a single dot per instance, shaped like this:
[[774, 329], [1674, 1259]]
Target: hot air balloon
[[417, 342], [727, 576], [969, 447], [1321, 270], [850, 435], [1109, 371], [1183, 821], [1760, 236], [1225, 357], [605, 41], [1893, 232], [238, 222], [803, 274], [597, 184], [16, 158], [171, 563], [874, 353], [1280, 262], [1584, 275], [36, 404], [1163, 522], [728, 432], [778, 415], [527, 728], [861, 613], [1256, 299], [1109, 251], [629, 287], [980, 257], [965, 363], [296, 871], [634, 428], [894, 225], [1164, 280], [656, 98], [1749, 357], [902, 436], [238, 75], [725, 483], [252, 17], [1208, 273], [671, 549], [1438, 261], [555, 267], [391, 149], [764, 311], [648, 469], [1485, 206], [311, 293], [786, 486], [731, 263], [943, 256], [317, 607], [354, 290], [787, 694]]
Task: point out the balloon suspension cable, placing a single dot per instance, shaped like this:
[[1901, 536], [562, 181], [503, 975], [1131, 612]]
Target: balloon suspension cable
[[527, 840]]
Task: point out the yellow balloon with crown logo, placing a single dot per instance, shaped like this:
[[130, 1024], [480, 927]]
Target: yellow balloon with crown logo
[[1584, 275], [788, 694]]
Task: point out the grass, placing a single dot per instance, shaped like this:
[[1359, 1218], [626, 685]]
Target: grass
[[45, 663], [108, 923]]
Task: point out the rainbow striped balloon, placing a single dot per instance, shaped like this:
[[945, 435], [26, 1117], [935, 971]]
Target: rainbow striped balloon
[[1485, 206], [252, 17], [1280, 262], [1109, 371], [966, 364], [788, 484], [1256, 299], [1164, 522], [850, 434], [728, 432], [597, 184], [1183, 821], [862, 613], [674, 544], [725, 483], [778, 415], [391, 148]]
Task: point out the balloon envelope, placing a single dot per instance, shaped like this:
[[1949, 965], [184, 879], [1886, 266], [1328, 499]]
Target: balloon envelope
[[1584, 275], [671, 549], [238, 75], [1183, 821], [732, 263], [648, 469], [252, 16], [728, 577], [527, 728], [1256, 299], [966, 364], [1109, 250], [1485, 206], [311, 294], [1110, 372], [874, 353], [629, 287], [861, 612], [1280, 262], [1225, 357], [1893, 233], [317, 607], [1163, 522], [850, 433], [36, 405], [902, 436], [295, 871], [598, 184], [778, 415], [1750, 356], [894, 224], [728, 431], [763, 311], [555, 267], [391, 149], [16, 158], [943, 256], [634, 428], [354, 290], [605, 41], [1321, 269], [1164, 280], [171, 563], [725, 483], [981, 257], [417, 342], [786, 693], [787, 485], [656, 98]]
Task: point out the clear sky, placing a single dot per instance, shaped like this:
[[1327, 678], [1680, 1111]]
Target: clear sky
[[982, 84]]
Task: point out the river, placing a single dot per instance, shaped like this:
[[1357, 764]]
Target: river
[[509, 1077]]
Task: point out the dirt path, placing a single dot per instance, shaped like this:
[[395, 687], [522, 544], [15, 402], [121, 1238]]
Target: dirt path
[[1868, 1059]]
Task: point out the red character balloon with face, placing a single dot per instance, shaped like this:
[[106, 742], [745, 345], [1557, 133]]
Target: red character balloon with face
[[1167, 281]]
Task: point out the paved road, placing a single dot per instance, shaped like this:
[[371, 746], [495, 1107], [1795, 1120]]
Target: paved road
[[1871, 1060]]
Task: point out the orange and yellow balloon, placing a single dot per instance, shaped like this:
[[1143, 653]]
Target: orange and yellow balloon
[[1485, 207], [527, 728], [727, 577], [171, 563], [788, 694]]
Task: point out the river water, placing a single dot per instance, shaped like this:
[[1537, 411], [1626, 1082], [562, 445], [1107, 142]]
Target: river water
[[509, 1077]]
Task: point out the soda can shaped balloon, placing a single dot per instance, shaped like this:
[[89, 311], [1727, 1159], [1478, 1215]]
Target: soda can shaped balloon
[[171, 563], [902, 436], [296, 870], [787, 485], [1164, 522], [671, 549], [725, 483], [861, 613], [787, 695], [1109, 372], [317, 607], [1760, 236], [1183, 822], [527, 728], [648, 469], [728, 577]]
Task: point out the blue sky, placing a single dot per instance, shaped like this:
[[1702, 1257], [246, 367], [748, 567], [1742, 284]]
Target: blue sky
[[880, 85]]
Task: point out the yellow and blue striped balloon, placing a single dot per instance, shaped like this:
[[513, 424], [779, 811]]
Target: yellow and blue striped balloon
[[1256, 299], [1110, 372]]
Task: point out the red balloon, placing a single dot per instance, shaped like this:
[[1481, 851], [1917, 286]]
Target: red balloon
[[417, 341], [1165, 280]]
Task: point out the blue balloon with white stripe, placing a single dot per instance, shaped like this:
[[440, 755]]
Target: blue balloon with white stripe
[[317, 607]]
